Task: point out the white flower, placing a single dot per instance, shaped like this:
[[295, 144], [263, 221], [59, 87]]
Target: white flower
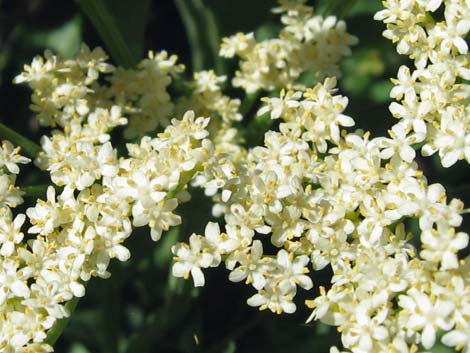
[[441, 245], [292, 272], [189, 259], [12, 281], [10, 195], [273, 299], [404, 85], [48, 215], [451, 36], [459, 338], [208, 81], [10, 232], [399, 143], [276, 106], [426, 314], [159, 217], [367, 327], [10, 158], [252, 267], [239, 44]]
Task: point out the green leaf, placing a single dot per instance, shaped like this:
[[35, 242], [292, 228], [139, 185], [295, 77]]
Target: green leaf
[[131, 17], [380, 91], [29, 147], [78, 348], [267, 31], [162, 256], [242, 15], [64, 40], [108, 30], [361, 68], [230, 347], [54, 333], [35, 191], [193, 14], [338, 8], [440, 348], [158, 324], [192, 32], [365, 7]]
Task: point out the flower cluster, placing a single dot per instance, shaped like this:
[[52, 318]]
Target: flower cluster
[[307, 43], [143, 93], [326, 197], [207, 98], [433, 98], [316, 194], [97, 199], [66, 92], [80, 229]]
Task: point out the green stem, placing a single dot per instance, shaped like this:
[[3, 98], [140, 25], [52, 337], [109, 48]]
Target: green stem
[[203, 35], [35, 191], [256, 129], [159, 324], [54, 333], [184, 180], [214, 42], [107, 29], [346, 9], [237, 331], [192, 31], [211, 32], [338, 8], [248, 102], [31, 149]]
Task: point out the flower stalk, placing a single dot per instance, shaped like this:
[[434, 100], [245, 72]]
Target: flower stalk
[[30, 148], [107, 29]]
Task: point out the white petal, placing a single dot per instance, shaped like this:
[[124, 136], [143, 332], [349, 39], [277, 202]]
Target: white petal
[[276, 112], [397, 109], [212, 232], [427, 150], [428, 337], [256, 300], [461, 45], [433, 5], [237, 275], [345, 120], [258, 280], [288, 307], [454, 338], [157, 196], [305, 282], [226, 195], [77, 289], [449, 159], [122, 253], [7, 248], [283, 258], [85, 180], [407, 153], [256, 250], [198, 277], [365, 343], [180, 269], [156, 233], [18, 340], [20, 289]]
